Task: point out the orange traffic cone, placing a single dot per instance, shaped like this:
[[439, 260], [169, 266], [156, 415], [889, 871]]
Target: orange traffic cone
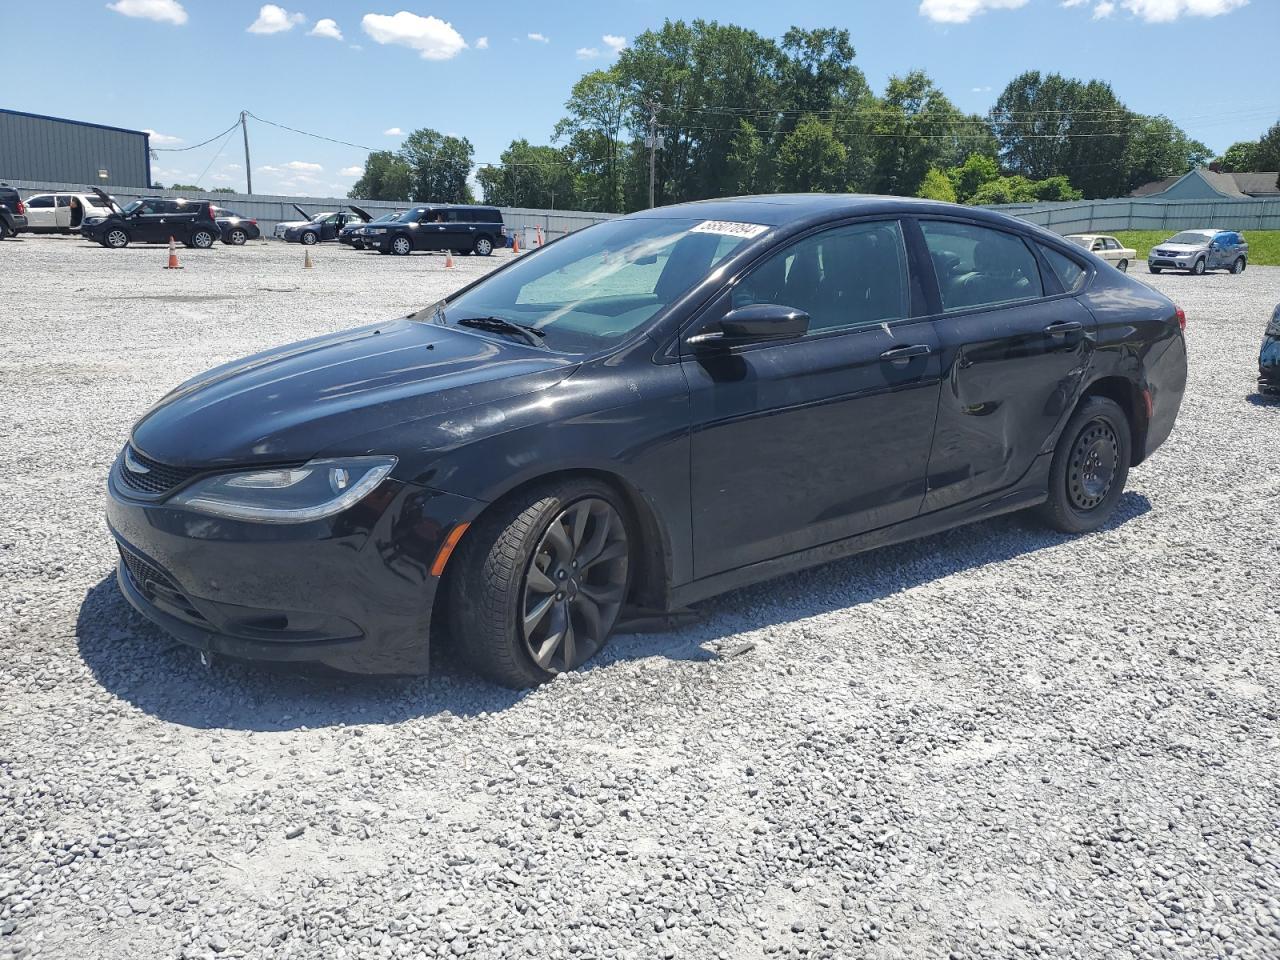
[[539, 229], [515, 244], [448, 260], [173, 256], [306, 261]]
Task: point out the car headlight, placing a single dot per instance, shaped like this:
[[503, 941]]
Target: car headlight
[[1273, 328], [312, 491]]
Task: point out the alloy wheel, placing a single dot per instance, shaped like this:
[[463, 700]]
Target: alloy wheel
[[575, 585], [401, 246], [238, 238], [117, 238], [484, 247], [1092, 470], [308, 238], [203, 240]]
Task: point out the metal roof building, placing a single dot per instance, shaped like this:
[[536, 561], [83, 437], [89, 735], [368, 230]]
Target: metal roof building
[[35, 147]]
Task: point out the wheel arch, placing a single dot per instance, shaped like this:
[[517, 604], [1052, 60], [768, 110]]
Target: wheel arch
[[1130, 397]]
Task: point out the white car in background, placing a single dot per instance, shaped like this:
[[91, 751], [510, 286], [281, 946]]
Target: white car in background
[[62, 212], [279, 230], [1108, 248]]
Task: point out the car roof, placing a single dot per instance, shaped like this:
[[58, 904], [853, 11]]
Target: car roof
[[793, 208]]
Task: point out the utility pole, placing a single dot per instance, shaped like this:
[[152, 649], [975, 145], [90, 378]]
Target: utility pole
[[248, 169], [652, 143]]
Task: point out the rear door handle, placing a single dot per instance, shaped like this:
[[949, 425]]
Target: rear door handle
[[1064, 326], [900, 355]]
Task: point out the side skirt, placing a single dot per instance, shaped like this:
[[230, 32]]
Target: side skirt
[[1032, 490]]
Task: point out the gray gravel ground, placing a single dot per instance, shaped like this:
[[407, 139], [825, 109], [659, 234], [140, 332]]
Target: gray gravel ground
[[993, 743]]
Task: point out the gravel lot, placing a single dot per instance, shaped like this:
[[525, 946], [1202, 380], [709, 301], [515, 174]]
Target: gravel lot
[[993, 743]]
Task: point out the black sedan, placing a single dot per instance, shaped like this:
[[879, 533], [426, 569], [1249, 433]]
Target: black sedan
[[656, 409], [1269, 357], [236, 230], [352, 233], [322, 228]]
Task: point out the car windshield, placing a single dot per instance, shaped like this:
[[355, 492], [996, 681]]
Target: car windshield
[[133, 206], [595, 287], [1195, 239]]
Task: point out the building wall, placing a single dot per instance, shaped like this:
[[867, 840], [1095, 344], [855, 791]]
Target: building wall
[[1191, 188], [46, 148]]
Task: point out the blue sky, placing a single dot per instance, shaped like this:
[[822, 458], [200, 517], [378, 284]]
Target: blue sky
[[502, 69]]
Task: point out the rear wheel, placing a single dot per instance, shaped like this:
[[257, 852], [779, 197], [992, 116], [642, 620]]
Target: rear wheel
[[116, 239], [540, 582], [237, 238], [1123, 266], [1090, 467], [402, 246], [483, 247], [1238, 266], [202, 239], [1198, 269]]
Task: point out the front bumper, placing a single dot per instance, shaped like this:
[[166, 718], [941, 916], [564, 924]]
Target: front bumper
[[1269, 366], [353, 591], [1178, 262]]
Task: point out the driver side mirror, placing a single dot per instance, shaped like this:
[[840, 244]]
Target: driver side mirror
[[757, 323]]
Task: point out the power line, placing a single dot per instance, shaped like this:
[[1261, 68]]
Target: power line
[[195, 146]]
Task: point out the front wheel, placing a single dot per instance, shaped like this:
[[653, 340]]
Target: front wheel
[[116, 239], [539, 583], [1123, 266], [309, 238], [483, 247], [1198, 269], [1089, 469], [1153, 269], [1239, 265], [402, 246]]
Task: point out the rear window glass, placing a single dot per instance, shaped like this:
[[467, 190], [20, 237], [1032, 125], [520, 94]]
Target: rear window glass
[[1070, 274], [977, 266]]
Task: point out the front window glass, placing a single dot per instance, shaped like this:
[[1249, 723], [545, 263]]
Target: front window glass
[[595, 287], [841, 278], [977, 266]]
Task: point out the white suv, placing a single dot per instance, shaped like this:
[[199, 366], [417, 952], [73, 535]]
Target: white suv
[[62, 212]]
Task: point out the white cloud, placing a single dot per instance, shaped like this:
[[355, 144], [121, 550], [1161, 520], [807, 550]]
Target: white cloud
[[614, 42], [588, 53], [352, 171], [962, 11], [303, 166], [1166, 11], [981, 90], [273, 19], [165, 11], [393, 132], [1104, 9], [1073, 3], [434, 39], [162, 139], [326, 28], [482, 43], [539, 37]]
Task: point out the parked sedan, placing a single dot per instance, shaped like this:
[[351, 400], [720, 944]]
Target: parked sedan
[[1269, 358], [236, 230], [1107, 248], [1199, 250], [322, 228], [645, 413]]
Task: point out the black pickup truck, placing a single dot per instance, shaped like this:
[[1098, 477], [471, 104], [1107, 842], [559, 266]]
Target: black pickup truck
[[13, 213]]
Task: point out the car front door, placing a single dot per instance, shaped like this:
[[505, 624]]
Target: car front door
[[809, 441], [1015, 348]]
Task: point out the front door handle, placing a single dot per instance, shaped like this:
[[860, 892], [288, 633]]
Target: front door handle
[[901, 355], [1063, 327]]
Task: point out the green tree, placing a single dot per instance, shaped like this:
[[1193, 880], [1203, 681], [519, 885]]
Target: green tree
[[597, 108], [1268, 156], [1240, 157], [811, 159], [937, 186], [969, 176], [530, 176], [1055, 188], [747, 161], [387, 176], [441, 166], [915, 128], [1159, 148]]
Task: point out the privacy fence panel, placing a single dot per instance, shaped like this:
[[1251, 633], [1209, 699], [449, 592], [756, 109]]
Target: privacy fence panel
[[1112, 216]]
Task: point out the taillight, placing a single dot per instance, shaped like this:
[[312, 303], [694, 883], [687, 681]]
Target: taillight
[[22, 209], [1182, 317], [254, 222], [213, 215]]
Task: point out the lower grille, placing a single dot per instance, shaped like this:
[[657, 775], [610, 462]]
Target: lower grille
[[157, 586]]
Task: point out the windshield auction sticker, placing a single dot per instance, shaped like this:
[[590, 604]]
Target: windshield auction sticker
[[730, 228]]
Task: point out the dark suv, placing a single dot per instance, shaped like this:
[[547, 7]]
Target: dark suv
[[13, 213], [154, 220], [461, 229]]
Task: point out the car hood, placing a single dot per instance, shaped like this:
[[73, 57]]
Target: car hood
[[291, 403]]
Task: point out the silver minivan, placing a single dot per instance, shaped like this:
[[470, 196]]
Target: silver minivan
[[1200, 250]]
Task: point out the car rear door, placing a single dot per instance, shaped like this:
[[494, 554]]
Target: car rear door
[[805, 442], [42, 211], [1015, 348]]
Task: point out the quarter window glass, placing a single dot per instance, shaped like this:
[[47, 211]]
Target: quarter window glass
[[842, 278], [40, 203], [1070, 274], [978, 266]]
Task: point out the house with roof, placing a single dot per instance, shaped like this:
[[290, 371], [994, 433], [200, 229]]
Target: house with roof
[[1205, 184]]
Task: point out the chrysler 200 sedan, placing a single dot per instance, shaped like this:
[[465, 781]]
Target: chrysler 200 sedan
[[640, 415]]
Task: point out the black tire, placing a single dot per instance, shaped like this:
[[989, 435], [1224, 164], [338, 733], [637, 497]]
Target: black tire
[[1199, 268], [494, 589], [5, 232], [1154, 269], [309, 238], [384, 251], [1090, 467], [116, 238], [202, 239], [1239, 266], [483, 247], [401, 246], [1123, 266], [237, 238]]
